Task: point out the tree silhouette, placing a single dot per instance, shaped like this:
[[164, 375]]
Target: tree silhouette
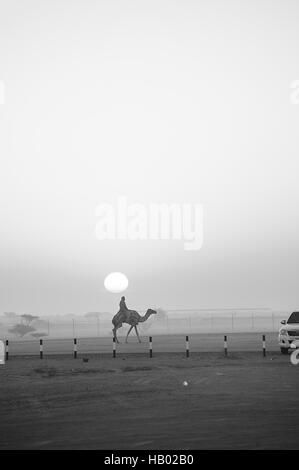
[[21, 330], [28, 318]]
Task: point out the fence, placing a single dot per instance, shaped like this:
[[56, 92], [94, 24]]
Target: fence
[[164, 323], [150, 345]]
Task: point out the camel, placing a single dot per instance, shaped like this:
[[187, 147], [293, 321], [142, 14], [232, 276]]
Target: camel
[[132, 318]]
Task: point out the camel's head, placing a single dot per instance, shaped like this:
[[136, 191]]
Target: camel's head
[[150, 311]]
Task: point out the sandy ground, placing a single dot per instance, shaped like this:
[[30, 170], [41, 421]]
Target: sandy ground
[[243, 401]]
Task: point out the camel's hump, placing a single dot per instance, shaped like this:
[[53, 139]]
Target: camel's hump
[[127, 316], [132, 316]]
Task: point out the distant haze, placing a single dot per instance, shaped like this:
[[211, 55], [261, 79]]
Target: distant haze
[[163, 102]]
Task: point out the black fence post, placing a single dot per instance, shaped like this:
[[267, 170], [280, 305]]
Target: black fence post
[[225, 345], [264, 345], [187, 346], [75, 348], [6, 350], [41, 349], [150, 346], [114, 348]]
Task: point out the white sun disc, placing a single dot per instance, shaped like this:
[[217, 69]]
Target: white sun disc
[[116, 282]]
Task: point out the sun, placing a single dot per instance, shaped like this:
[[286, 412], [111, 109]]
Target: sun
[[116, 282]]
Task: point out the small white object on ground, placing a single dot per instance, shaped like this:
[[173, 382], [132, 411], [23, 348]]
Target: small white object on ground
[[185, 383]]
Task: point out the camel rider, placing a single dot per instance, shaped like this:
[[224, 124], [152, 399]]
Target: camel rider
[[122, 305]]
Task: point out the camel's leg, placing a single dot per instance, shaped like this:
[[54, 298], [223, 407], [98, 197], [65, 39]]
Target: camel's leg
[[128, 333], [137, 334], [116, 338], [114, 334]]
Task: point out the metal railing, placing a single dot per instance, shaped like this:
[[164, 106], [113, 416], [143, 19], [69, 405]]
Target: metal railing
[[167, 323]]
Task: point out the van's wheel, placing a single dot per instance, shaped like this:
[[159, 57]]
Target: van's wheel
[[284, 350]]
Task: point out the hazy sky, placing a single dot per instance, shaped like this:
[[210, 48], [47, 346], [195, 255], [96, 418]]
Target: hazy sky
[[163, 102]]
